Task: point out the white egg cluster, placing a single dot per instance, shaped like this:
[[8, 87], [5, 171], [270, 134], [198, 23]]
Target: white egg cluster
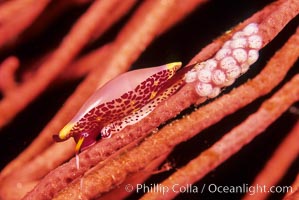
[[232, 60]]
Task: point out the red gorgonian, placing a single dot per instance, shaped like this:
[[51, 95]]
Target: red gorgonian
[[54, 54]]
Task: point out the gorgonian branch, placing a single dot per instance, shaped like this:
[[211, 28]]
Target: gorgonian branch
[[183, 129], [281, 160], [111, 162], [82, 32], [13, 25], [127, 46], [173, 105], [7, 75], [295, 193], [232, 141]]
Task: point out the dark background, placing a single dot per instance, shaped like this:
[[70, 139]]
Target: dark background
[[180, 43]]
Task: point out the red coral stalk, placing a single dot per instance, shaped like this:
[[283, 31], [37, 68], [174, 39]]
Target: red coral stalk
[[16, 16], [276, 167], [82, 32], [295, 188], [120, 193], [7, 74], [293, 196], [232, 141], [98, 181], [129, 37], [110, 162]]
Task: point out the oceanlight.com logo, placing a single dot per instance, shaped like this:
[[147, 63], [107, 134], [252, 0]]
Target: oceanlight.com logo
[[246, 188], [211, 188]]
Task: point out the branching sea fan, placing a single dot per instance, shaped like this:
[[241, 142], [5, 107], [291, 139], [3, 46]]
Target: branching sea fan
[[219, 122]]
